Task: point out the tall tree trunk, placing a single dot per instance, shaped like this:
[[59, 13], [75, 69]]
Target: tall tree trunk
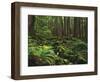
[[56, 32], [79, 25], [59, 27], [65, 27], [31, 24], [68, 26], [86, 29], [75, 27]]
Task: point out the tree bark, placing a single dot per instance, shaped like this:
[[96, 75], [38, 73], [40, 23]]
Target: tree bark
[[31, 24]]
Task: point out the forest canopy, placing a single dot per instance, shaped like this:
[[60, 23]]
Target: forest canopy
[[57, 40]]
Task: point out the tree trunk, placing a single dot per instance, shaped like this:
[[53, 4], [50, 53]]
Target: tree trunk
[[31, 24]]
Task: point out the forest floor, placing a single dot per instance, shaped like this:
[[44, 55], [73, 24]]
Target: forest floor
[[56, 52]]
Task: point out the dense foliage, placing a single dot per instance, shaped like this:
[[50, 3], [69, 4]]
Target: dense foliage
[[45, 47]]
